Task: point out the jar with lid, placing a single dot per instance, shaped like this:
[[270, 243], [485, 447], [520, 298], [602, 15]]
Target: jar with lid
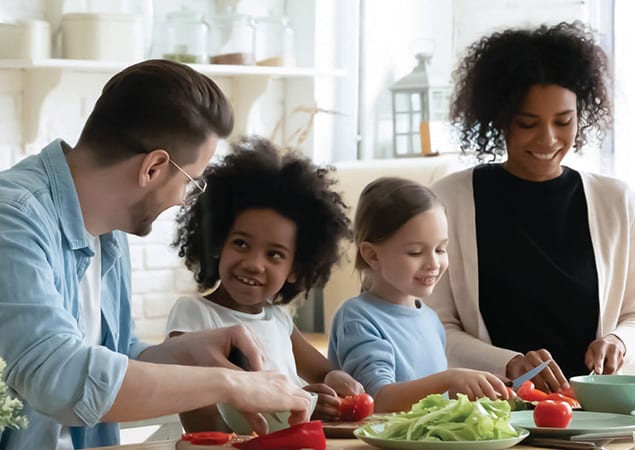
[[232, 40], [273, 45], [186, 36]]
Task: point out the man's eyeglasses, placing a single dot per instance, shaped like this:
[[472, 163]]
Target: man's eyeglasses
[[193, 184]]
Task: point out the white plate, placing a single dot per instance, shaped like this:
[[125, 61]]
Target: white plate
[[398, 444], [581, 422]]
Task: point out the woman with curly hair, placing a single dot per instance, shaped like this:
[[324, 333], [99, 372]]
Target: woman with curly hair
[[268, 228], [543, 264]]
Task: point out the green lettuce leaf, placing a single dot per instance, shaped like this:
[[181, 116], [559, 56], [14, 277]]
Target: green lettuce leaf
[[436, 418]]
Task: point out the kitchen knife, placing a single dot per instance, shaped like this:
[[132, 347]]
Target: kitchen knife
[[517, 382], [606, 436], [563, 443]]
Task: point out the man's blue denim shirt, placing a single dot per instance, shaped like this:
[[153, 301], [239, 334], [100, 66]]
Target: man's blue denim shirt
[[43, 254]]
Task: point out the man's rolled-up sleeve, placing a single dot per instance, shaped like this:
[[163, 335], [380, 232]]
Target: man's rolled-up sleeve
[[48, 366]]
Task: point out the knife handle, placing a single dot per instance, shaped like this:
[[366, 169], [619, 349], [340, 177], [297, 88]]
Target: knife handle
[[238, 358]]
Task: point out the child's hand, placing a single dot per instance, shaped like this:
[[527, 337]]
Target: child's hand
[[343, 383], [476, 384], [328, 404]]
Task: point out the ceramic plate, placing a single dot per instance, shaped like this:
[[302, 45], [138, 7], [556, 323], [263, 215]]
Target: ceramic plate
[[581, 422], [395, 444]]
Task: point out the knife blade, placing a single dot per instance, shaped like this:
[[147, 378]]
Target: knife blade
[[517, 382], [276, 417]]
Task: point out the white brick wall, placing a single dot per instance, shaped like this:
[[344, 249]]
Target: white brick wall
[[158, 275]]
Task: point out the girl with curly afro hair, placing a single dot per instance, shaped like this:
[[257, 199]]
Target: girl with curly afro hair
[[266, 229], [542, 253]]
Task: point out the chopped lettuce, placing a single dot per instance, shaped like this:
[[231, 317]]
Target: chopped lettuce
[[435, 418]]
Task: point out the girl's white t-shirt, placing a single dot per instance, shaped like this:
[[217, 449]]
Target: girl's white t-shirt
[[271, 328]]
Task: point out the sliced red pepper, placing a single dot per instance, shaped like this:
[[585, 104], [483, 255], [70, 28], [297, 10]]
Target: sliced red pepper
[[304, 435], [563, 398], [528, 392], [210, 437], [567, 392]]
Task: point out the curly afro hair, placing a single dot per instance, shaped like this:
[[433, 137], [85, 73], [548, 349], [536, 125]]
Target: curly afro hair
[[498, 71], [257, 175]]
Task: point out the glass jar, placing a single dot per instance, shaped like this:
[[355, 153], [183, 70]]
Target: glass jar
[[232, 40], [186, 36], [273, 45]]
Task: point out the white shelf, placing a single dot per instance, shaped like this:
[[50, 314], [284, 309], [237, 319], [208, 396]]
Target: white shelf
[[81, 65], [42, 76]]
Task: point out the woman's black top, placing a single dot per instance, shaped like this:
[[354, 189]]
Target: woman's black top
[[538, 283]]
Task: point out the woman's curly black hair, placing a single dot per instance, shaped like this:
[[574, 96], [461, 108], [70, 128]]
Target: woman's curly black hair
[[498, 71], [257, 175]]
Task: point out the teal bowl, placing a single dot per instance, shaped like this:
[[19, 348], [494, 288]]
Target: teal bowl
[[239, 425], [605, 393]]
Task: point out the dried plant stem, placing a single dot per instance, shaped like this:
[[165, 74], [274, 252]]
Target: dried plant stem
[[300, 135]]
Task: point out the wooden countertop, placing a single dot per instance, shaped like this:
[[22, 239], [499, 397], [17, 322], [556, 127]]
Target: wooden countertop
[[332, 444]]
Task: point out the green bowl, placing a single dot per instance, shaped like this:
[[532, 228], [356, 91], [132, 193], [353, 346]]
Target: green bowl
[[605, 393], [239, 425]]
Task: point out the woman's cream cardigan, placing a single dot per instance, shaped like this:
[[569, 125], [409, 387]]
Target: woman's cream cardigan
[[611, 209]]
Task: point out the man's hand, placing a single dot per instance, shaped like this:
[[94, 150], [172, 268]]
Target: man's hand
[[268, 391], [207, 348]]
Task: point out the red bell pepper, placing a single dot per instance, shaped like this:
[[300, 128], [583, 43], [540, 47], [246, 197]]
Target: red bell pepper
[[529, 393], [304, 435], [563, 398], [208, 437]]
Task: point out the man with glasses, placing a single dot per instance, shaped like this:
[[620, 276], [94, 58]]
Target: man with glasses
[[66, 328], [194, 185]]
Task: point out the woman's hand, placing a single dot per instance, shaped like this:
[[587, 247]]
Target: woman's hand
[[605, 355], [343, 383], [551, 379], [476, 384], [328, 404]]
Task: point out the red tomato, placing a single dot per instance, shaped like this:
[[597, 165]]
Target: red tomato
[[552, 414], [528, 392], [563, 398], [210, 437], [356, 407]]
